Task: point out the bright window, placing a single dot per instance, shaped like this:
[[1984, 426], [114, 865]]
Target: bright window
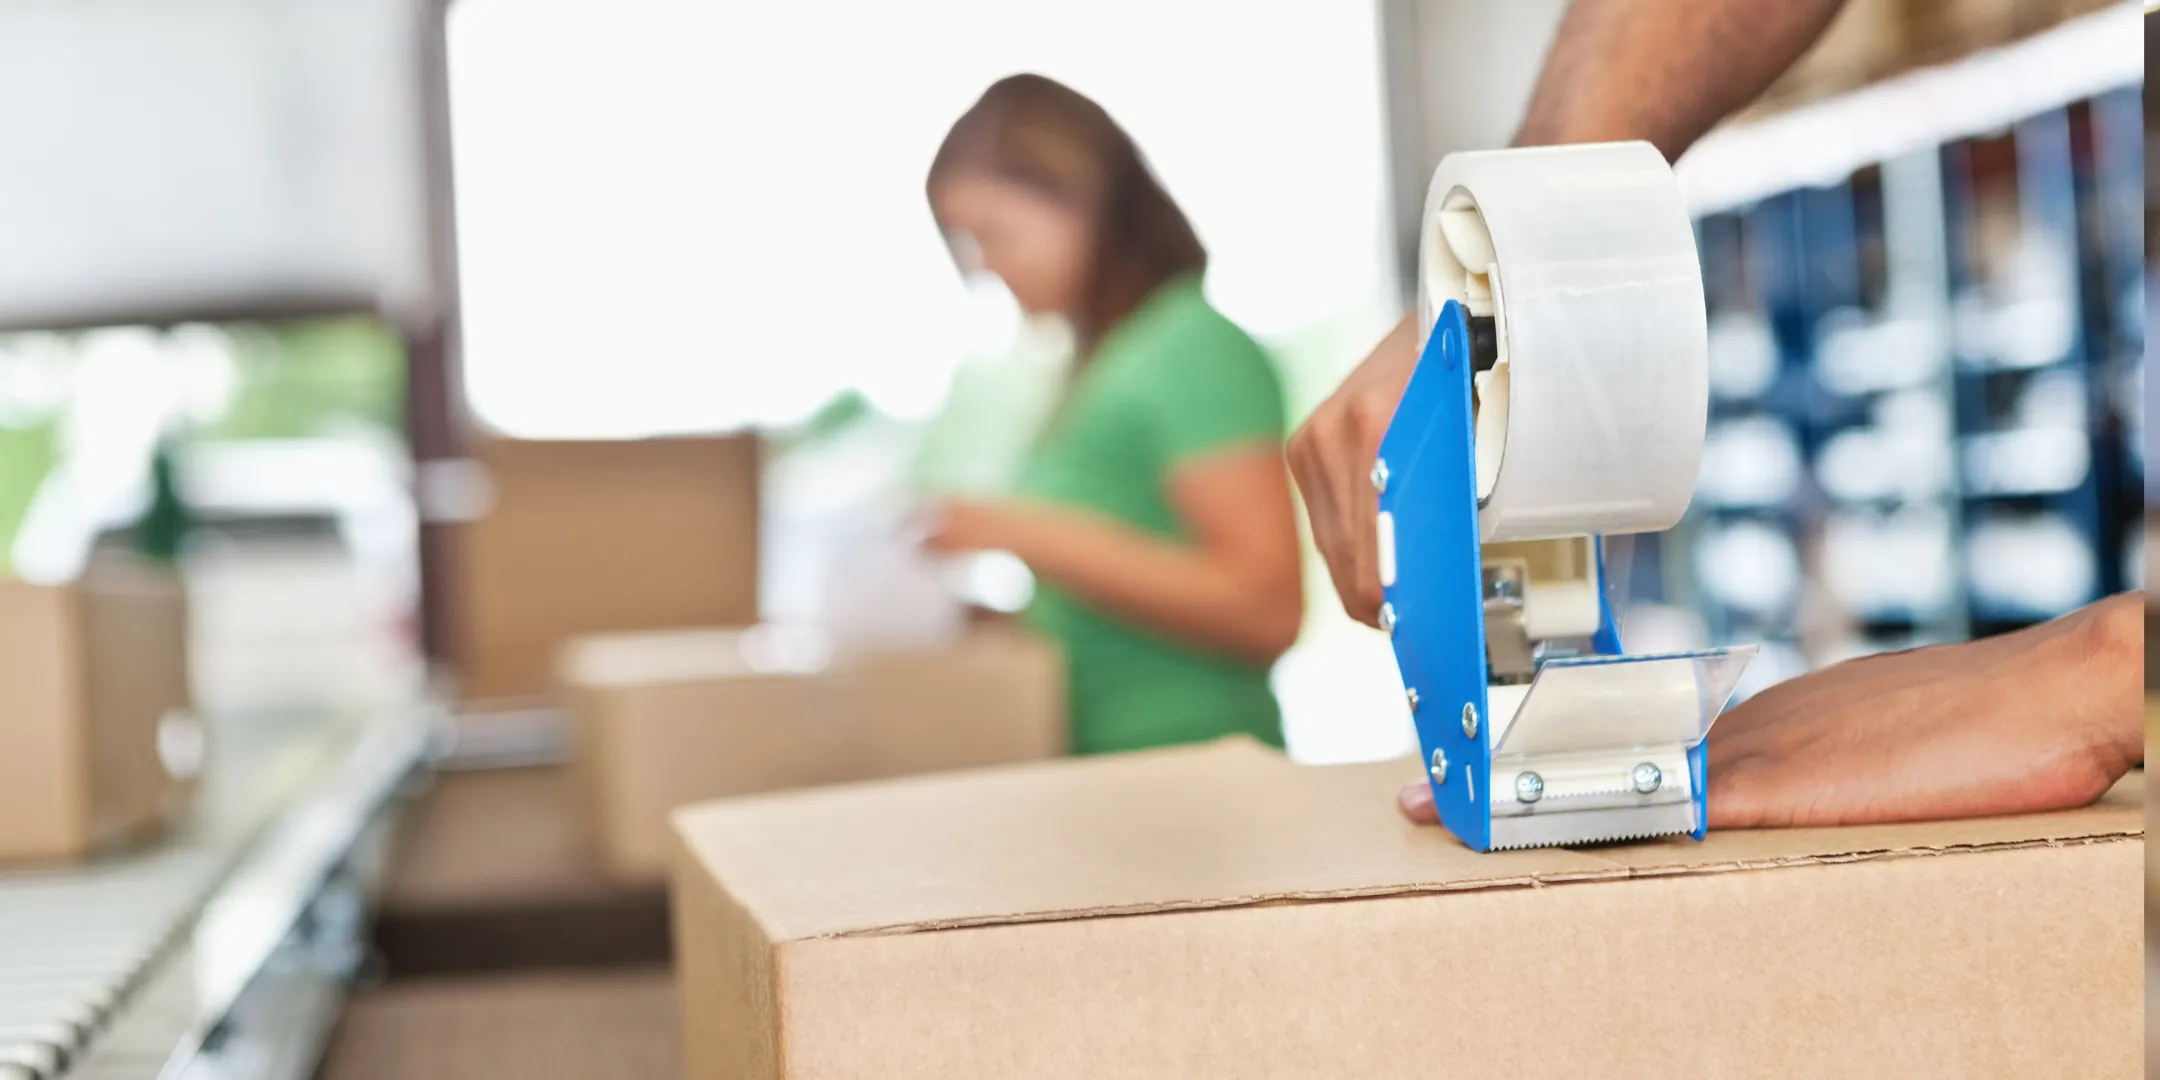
[[675, 215]]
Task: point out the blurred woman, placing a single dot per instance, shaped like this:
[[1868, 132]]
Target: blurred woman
[[1155, 511]]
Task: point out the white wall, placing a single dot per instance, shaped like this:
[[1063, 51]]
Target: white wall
[[1459, 76], [164, 158]]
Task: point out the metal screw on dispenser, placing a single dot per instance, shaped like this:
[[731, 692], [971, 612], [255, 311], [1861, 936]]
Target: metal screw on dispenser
[[1647, 778], [1387, 617], [1529, 787], [1439, 766], [1469, 719], [1410, 695], [1379, 475]]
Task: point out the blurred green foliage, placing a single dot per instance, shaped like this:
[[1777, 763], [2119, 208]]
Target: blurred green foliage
[[26, 455], [290, 381], [299, 380]]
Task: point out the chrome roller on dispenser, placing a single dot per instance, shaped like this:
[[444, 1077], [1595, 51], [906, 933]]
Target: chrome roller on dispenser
[[1560, 396]]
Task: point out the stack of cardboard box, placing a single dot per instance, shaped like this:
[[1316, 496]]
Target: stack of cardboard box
[[561, 539], [620, 579]]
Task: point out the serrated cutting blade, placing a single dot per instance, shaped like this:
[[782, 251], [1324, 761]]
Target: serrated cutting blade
[[1566, 828]]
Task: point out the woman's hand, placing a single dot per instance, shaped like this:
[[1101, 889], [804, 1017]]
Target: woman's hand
[[959, 526], [1331, 457], [1231, 585], [2047, 718]]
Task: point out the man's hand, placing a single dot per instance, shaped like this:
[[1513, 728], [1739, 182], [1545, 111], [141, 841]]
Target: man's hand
[[1331, 457], [2047, 718]]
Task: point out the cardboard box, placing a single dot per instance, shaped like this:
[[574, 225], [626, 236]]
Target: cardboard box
[[89, 674], [619, 1025], [666, 720], [598, 537], [490, 873], [1216, 911]]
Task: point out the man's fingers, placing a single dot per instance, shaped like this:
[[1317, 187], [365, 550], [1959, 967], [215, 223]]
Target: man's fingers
[[1355, 603], [1310, 468], [1369, 419], [1366, 415], [1356, 578], [1347, 453], [1332, 459], [1325, 465], [1416, 803]]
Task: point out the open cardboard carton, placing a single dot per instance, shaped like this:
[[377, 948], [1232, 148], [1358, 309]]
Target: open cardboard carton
[[671, 718], [1217, 911]]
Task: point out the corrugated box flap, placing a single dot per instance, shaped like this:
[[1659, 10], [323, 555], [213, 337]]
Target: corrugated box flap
[[1222, 825]]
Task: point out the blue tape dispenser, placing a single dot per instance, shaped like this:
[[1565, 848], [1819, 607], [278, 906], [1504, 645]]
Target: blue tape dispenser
[[1560, 397]]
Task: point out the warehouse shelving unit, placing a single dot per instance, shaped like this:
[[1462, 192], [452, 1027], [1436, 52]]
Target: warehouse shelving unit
[[2116, 293], [1876, 476], [1925, 371], [2023, 375]]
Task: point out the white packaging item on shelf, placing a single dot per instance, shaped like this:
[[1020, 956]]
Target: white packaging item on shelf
[[1750, 565], [2038, 566], [1883, 564], [1753, 461]]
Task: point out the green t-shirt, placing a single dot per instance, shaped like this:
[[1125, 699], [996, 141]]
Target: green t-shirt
[[1173, 382]]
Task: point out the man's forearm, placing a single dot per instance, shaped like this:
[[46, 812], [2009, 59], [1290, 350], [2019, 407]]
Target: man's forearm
[[1664, 70]]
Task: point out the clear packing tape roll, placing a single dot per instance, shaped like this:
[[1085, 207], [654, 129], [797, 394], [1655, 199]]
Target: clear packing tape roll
[[1591, 420]]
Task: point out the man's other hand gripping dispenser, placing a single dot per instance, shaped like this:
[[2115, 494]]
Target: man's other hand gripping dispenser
[[1560, 397]]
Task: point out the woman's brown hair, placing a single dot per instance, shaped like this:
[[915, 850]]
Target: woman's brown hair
[[1040, 133]]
